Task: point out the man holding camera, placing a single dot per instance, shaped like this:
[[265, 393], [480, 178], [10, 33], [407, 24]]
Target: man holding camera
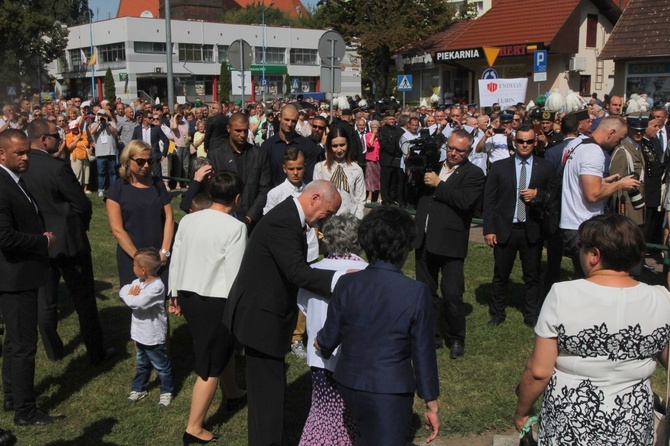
[[448, 196], [105, 135]]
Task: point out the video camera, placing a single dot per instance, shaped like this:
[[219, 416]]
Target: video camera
[[424, 152]]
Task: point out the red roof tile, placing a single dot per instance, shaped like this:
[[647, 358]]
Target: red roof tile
[[133, 8], [541, 20], [287, 6], [642, 31]]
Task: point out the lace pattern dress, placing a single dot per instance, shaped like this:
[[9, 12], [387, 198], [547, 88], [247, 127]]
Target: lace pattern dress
[[349, 181], [608, 338]]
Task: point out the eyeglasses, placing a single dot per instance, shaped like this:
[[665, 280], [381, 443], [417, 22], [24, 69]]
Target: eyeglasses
[[318, 127], [525, 141], [155, 119], [53, 135], [454, 149], [142, 161]]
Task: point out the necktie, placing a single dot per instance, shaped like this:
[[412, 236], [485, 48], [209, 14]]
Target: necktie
[[22, 185], [362, 135], [521, 211]]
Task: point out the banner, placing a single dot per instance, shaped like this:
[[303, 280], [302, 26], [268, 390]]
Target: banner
[[503, 91]]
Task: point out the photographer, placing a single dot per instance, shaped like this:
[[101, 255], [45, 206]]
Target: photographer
[[443, 217], [105, 136]]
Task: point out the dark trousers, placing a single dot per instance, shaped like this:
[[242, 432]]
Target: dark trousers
[[554, 259], [77, 273], [569, 237], [504, 255], [653, 227], [452, 286], [393, 184], [382, 418], [19, 311], [266, 390]]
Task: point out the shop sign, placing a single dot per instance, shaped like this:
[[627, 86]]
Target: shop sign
[[648, 68], [414, 61], [468, 54], [515, 71]]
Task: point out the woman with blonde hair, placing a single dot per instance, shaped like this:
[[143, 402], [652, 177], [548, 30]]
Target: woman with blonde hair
[[139, 210]]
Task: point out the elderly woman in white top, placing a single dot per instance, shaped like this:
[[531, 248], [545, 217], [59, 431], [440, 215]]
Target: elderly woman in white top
[[207, 254], [328, 422], [343, 172]]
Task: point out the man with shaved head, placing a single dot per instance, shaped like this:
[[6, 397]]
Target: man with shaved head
[[262, 312], [250, 162], [276, 146]]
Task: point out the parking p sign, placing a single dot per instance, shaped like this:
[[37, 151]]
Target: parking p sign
[[540, 61]]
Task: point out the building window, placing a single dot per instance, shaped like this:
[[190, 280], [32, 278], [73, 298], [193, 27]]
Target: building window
[[303, 56], [189, 52], [150, 47], [585, 85], [223, 53], [76, 61], [305, 85], [591, 30], [116, 52], [272, 55]]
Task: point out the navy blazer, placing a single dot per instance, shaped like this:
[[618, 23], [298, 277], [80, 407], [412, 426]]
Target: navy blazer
[[24, 260], [262, 307], [384, 321], [501, 193], [157, 135], [66, 210]]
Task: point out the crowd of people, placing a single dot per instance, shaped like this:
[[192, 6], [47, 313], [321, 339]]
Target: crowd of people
[[271, 187]]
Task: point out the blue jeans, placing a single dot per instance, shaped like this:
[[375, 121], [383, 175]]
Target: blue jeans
[[156, 356], [106, 167]]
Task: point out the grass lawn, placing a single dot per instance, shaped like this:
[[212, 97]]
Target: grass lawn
[[477, 391]]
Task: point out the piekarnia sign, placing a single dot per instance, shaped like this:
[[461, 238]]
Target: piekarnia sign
[[502, 91], [475, 53]]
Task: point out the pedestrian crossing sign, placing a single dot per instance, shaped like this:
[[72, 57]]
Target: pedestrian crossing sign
[[405, 82], [11, 91]]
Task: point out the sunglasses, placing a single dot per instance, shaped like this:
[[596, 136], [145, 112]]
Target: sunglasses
[[318, 127], [142, 161], [525, 141], [53, 135]]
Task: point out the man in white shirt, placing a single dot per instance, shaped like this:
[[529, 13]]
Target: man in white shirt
[[584, 188]]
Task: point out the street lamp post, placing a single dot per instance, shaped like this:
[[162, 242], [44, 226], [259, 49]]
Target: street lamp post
[[264, 82]]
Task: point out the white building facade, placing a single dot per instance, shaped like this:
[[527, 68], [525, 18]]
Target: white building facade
[[135, 50]]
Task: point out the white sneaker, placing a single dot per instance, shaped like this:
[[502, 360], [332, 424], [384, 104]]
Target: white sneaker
[[136, 396], [101, 193], [298, 349], [165, 400]]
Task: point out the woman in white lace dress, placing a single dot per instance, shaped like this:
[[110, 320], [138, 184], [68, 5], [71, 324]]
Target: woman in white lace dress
[[345, 174], [596, 345]]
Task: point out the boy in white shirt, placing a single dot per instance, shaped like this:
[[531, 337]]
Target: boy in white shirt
[[148, 327]]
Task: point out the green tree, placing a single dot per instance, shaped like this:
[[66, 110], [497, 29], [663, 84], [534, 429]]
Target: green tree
[[225, 83], [35, 35], [382, 27], [109, 87], [253, 14]]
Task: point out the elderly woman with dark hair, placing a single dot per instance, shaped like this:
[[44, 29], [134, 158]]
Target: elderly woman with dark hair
[[596, 345], [329, 423], [384, 322]]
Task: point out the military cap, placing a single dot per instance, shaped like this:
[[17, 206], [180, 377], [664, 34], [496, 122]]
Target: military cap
[[638, 121], [580, 115]]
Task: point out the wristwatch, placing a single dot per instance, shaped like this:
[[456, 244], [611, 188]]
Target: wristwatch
[[165, 252]]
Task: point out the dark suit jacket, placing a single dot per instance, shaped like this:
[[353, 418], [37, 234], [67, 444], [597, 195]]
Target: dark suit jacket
[[216, 131], [262, 306], [256, 177], [501, 193], [24, 260], [384, 321], [450, 205], [389, 138], [157, 135], [66, 209]]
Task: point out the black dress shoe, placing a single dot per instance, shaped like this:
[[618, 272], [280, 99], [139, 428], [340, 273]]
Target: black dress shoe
[[192, 439], [109, 353], [38, 418], [7, 438], [457, 349], [8, 406], [495, 321]]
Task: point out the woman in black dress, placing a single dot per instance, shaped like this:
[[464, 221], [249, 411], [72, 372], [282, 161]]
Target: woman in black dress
[[139, 211]]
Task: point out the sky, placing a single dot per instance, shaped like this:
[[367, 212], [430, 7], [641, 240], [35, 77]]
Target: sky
[[106, 9]]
